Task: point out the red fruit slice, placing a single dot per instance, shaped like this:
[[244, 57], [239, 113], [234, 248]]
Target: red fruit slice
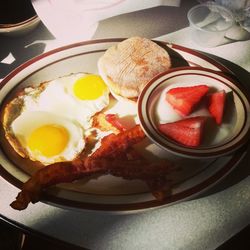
[[184, 99], [216, 105], [187, 131]]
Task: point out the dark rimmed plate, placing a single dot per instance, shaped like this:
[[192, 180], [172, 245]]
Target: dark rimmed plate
[[108, 193]]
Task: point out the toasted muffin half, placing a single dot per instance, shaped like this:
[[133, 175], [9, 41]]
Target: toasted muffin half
[[127, 66]]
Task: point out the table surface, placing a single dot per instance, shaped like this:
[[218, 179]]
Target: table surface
[[202, 223]]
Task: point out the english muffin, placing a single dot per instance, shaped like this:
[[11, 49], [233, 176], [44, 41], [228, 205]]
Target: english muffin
[[128, 66]]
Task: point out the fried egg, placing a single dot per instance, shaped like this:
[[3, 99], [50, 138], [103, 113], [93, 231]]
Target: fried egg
[[47, 137], [54, 117], [76, 96]]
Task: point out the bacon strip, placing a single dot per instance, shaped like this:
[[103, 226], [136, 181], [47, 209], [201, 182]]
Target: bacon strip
[[115, 156], [69, 171], [115, 144], [138, 169], [50, 175]]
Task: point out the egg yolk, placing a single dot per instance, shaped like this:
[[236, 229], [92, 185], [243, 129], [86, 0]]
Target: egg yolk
[[48, 140], [89, 87]]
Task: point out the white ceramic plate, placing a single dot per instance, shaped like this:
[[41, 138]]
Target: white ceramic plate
[[109, 193]]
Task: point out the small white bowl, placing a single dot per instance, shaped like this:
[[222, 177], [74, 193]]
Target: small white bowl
[[234, 131], [21, 28]]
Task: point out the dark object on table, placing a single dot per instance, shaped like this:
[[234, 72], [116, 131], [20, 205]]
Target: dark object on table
[[12, 238], [15, 11]]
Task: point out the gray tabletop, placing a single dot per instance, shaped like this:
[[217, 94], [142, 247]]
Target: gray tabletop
[[202, 223]]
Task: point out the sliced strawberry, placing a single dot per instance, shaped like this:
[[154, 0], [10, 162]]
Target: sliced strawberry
[[188, 131], [114, 121], [216, 105], [184, 99]]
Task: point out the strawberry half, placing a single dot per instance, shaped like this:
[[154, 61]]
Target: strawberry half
[[184, 99], [187, 131], [216, 105]]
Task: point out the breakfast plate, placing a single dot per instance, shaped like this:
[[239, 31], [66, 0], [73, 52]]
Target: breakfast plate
[[109, 193]]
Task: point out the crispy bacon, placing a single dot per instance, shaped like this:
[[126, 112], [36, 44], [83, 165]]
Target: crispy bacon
[[69, 171], [138, 169], [50, 175], [114, 144], [115, 156]]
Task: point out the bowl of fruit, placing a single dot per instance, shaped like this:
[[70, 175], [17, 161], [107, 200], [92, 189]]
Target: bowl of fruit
[[195, 112]]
